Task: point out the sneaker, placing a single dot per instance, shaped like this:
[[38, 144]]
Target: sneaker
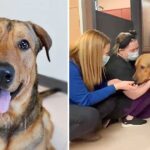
[[134, 122]]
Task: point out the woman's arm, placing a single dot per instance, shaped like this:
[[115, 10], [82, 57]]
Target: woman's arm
[[118, 69], [134, 93], [79, 94], [138, 91]]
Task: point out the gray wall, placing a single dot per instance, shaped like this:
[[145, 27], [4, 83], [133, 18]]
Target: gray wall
[[136, 18], [112, 25]]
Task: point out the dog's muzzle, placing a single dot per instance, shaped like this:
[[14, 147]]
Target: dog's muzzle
[[6, 77]]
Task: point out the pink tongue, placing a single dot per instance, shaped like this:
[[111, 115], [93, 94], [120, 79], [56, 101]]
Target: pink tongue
[[4, 101]]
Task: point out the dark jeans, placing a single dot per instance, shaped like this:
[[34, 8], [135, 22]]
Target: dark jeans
[[85, 120]]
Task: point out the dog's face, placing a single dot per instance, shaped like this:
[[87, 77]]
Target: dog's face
[[142, 65], [20, 43]]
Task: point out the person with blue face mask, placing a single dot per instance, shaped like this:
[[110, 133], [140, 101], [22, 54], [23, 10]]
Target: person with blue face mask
[[105, 59], [121, 66], [88, 90]]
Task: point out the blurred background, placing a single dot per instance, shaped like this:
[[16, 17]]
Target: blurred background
[[111, 17]]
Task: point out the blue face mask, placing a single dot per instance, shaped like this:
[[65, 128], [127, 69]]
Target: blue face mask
[[105, 59], [133, 55]]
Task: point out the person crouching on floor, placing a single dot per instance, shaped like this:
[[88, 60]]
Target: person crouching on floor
[[89, 106]]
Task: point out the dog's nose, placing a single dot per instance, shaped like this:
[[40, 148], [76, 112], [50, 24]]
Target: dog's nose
[[6, 75]]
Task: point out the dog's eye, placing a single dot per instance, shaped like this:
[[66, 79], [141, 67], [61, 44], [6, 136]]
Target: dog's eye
[[142, 67], [24, 45]]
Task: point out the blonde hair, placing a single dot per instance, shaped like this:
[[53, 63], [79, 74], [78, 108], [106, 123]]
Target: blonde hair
[[88, 54], [121, 37]]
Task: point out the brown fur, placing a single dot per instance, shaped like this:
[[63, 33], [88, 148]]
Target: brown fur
[[26, 125], [142, 65]]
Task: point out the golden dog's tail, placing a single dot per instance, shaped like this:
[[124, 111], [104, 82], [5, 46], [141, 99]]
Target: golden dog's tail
[[48, 92]]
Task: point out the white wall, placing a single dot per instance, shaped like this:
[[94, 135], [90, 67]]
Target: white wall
[[52, 16]]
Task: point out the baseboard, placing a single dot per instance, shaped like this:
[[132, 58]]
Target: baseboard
[[52, 83]]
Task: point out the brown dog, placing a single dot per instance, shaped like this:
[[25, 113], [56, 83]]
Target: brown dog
[[24, 123], [142, 65]]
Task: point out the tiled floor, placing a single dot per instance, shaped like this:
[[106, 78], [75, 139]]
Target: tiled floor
[[56, 104], [116, 137]]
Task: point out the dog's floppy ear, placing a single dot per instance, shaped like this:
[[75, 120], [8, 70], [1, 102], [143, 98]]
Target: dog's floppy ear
[[43, 37]]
